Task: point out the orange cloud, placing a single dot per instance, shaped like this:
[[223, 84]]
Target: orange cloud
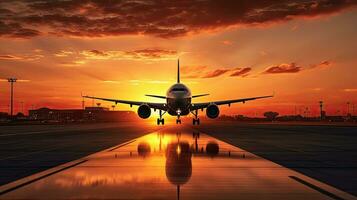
[[201, 72], [215, 73], [282, 68], [21, 57], [350, 90], [241, 71], [322, 64]]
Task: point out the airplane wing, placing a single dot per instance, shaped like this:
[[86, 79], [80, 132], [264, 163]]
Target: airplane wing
[[159, 106], [196, 106]]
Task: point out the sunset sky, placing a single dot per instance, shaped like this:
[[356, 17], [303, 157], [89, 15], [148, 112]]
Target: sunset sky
[[303, 51]]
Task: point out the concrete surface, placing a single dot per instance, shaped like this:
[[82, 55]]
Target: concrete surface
[[325, 153]]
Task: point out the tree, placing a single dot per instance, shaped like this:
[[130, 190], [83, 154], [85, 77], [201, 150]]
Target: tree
[[271, 115]]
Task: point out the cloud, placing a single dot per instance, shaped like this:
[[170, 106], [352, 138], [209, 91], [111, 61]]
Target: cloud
[[141, 54], [215, 73], [16, 30], [322, 64], [283, 68], [64, 53], [29, 57], [73, 63], [190, 72], [111, 81], [350, 90], [241, 71], [227, 42], [202, 72], [293, 68], [166, 19], [152, 54]]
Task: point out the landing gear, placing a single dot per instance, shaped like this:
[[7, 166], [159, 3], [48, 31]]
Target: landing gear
[[161, 120], [178, 121], [195, 120]]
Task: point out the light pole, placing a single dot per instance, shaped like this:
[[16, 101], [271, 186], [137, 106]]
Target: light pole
[[12, 81]]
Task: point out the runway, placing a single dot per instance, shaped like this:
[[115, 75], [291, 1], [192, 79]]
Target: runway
[[25, 150], [172, 163]]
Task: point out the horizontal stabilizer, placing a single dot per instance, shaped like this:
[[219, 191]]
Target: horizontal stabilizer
[[156, 96], [199, 95]]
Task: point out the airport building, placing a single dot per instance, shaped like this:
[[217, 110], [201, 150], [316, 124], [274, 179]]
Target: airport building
[[88, 114]]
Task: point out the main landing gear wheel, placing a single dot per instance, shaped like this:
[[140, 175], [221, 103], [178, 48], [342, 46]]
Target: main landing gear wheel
[[160, 121], [196, 121], [178, 121]]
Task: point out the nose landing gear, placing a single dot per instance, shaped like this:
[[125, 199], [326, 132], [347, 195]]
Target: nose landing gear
[[195, 120], [178, 120]]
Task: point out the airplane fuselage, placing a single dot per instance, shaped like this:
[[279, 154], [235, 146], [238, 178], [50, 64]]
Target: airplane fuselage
[[178, 99]]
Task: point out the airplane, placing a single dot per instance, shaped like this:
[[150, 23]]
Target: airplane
[[178, 103]]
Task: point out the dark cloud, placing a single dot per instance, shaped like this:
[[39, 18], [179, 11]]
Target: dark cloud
[[283, 68], [15, 30], [140, 54], [241, 71], [96, 18]]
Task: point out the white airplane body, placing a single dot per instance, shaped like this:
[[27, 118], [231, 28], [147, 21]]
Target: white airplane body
[[178, 103]]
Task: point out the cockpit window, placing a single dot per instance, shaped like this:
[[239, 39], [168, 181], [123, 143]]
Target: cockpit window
[[179, 89]]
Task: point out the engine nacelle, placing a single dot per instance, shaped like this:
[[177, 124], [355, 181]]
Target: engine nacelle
[[144, 111], [212, 111]]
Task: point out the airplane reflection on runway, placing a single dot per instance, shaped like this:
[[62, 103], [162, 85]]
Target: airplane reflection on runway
[[178, 166]]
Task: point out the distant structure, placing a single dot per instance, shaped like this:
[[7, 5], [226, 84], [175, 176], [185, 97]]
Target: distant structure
[[348, 108], [101, 114], [322, 112], [83, 103], [11, 81]]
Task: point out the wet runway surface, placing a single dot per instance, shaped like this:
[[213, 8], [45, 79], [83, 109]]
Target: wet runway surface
[[25, 150], [171, 164]]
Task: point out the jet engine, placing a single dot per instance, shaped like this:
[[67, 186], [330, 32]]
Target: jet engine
[[212, 111], [144, 111]]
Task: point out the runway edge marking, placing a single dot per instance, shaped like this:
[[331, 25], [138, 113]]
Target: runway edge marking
[[316, 188], [121, 145]]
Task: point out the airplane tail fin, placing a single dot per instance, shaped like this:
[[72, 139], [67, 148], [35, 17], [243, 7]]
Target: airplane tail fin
[[178, 71]]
